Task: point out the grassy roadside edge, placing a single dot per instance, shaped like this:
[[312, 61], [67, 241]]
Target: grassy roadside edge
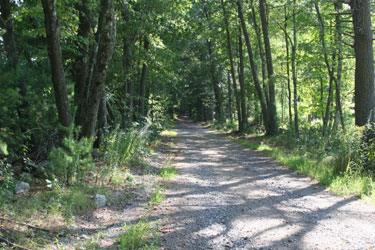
[[146, 234], [344, 184]]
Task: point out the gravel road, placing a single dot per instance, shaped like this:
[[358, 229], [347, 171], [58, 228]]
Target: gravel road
[[230, 197]]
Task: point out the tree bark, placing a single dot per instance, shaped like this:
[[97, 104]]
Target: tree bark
[[81, 66], [330, 70], [288, 66], [364, 65], [241, 77], [272, 112], [253, 67], [219, 117], [107, 37], [56, 61], [230, 101], [338, 7], [261, 50], [232, 69], [294, 72]]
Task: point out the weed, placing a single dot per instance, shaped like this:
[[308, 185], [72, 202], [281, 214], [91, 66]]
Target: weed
[[137, 162], [120, 177], [141, 235], [168, 171], [156, 198]]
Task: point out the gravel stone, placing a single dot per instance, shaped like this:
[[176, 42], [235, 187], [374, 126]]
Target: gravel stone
[[100, 200], [227, 196], [22, 187]]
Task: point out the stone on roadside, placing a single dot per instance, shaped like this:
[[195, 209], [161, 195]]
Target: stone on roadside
[[100, 200], [22, 187]]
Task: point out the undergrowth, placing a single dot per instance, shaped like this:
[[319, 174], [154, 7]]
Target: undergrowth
[[335, 161], [140, 235], [67, 187]]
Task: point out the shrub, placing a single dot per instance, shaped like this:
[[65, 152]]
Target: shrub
[[71, 161], [120, 146]]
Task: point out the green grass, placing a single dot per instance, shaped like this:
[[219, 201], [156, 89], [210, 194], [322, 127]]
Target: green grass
[[156, 198], [168, 171], [323, 170], [142, 235]]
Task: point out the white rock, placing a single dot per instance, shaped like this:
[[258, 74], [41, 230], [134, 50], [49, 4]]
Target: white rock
[[22, 187], [100, 200]]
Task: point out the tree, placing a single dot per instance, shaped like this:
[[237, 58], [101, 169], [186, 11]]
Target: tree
[[82, 63], [241, 76], [254, 71], [364, 63], [294, 71], [106, 38], [272, 112], [57, 67], [232, 69]]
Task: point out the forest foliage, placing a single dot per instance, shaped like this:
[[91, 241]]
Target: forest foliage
[[105, 76]]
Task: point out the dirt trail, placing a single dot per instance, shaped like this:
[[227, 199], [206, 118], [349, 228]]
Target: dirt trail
[[230, 197]]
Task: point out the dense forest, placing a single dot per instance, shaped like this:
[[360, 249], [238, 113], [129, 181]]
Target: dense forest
[[82, 80]]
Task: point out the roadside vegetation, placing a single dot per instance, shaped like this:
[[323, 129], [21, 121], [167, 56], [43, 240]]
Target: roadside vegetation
[[87, 87], [48, 214], [339, 161]]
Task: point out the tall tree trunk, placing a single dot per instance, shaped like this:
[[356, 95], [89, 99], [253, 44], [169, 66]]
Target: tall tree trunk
[[294, 72], [107, 37], [219, 116], [232, 70], [241, 77], [253, 67], [230, 101], [142, 85], [261, 50], [272, 112], [286, 36], [56, 61], [80, 69], [364, 63], [338, 7], [329, 69]]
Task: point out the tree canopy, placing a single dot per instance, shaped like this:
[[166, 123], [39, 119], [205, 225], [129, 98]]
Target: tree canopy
[[271, 66]]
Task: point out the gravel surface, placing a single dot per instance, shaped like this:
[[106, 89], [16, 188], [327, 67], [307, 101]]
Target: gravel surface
[[230, 197]]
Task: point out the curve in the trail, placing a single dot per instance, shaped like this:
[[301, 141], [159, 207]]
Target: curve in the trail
[[230, 197]]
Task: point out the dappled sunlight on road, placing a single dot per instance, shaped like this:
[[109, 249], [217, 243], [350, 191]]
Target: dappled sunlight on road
[[229, 197]]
